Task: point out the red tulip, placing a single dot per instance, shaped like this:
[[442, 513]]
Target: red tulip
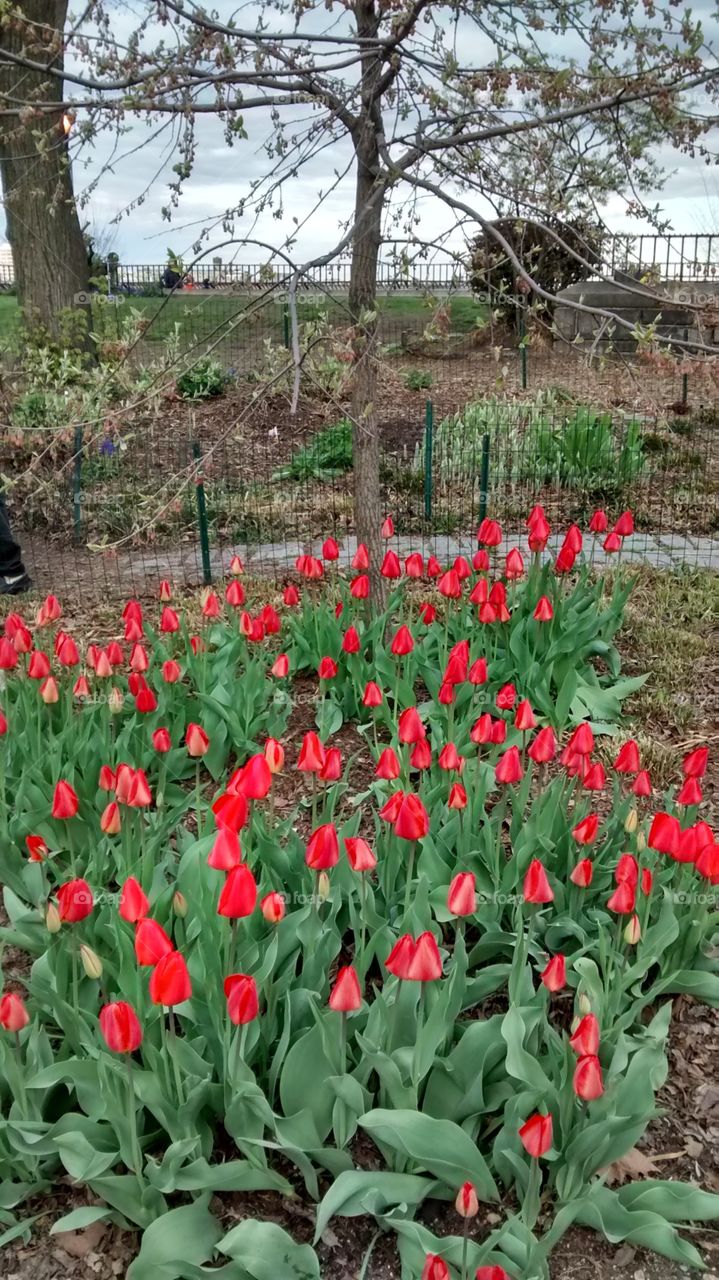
[[280, 667], [599, 522], [64, 802], [625, 525], [544, 747], [13, 1014], [410, 728], [330, 549], [434, 1268], [120, 1026], [372, 696], [273, 907], [391, 807], [359, 854], [543, 611], [231, 810], [388, 766], [506, 697], [402, 642], [291, 596], [582, 873], [165, 591], [462, 896], [664, 834], [449, 758], [536, 1135], [151, 942], [478, 672], [225, 853], [196, 741], [445, 697], [524, 717], [239, 893], [36, 848], [327, 669], [585, 831], [38, 666], [170, 982], [491, 1273], [457, 798], [387, 530], [421, 757], [690, 793], [331, 770], [255, 778], [627, 759], [169, 621], [489, 533], [627, 870], [585, 1038], [414, 565], [49, 691], [390, 567], [8, 655], [554, 974], [449, 585], [509, 767], [351, 641], [241, 995], [536, 888], [427, 613], [360, 559], [139, 795], [133, 902], [415, 961], [623, 899], [346, 996], [312, 754], [594, 778], [642, 785], [514, 565], [695, 763], [74, 900], [466, 1203], [612, 542], [539, 532], [323, 848], [161, 741], [412, 821], [587, 1082]]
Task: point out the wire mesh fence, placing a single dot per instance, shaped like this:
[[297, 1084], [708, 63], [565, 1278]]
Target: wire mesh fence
[[474, 416]]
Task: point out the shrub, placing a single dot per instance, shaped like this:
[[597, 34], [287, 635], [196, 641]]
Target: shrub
[[328, 454], [206, 378], [418, 380]]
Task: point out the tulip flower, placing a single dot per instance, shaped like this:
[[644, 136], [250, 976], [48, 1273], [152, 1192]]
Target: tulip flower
[[387, 530], [161, 741], [402, 642], [13, 1014], [151, 942], [627, 758], [585, 1038], [254, 779], [170, 981], [457, 798], [623, 899], [196, 741], [331, 770], [506, 697], [291, 596], [536, 1135], [241, 995], [239, 894], [49, 691], [477, 673], [360, 559], [585, 831], [225, 853], [543, 748], [139, 795], [627, 870], [414, 565], [690, 793], [524, 717], [346, 994], [351, 641], [120, 1027], [462, 895], [466, 1203], [434, 1268], [65, 803], [480, 561], [412, 820], [427, 613], [74, 901], [587, 1082], [388, 766], [599, 522], [312, 754], [509, 767], [450, 585], [37, 848], [695, 763], [38, 666], [536, 888], [554, 974], [327, 669], [235, 594], [489, 533], [273, 907], [514, 565], [410, 728], [359, 855], [134, 904], [582, 873], [165, 590], [632, 931], [169, 621], [421, 756], [449, 758], [415, 961], [664, 834], [390, 567], [372, 696], [543, 611], [323, 848]]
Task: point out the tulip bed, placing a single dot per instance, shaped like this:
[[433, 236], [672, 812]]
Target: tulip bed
[[243, 970]]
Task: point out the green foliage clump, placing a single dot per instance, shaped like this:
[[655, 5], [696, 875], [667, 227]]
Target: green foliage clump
[[418, 380], [205, 379], [328, 454]]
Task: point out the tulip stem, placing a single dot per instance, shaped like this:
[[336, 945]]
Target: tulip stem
[[175, 1064], [343, 1043], [132, 1117], [465, 1248], [408, 884], [75, 996], [363, 924], [22, 1095], [240, 1039], [198, 798], [416, 1055], [530, 1205]]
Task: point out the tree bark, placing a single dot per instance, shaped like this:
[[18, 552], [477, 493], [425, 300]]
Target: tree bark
[[363, 306], [43, 227]]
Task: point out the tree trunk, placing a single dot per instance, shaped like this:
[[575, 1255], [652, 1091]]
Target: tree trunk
[[363, 306], [43, 227]]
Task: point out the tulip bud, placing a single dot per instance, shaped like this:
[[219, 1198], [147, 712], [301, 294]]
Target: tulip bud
[[631, 822], [179, 904], [633, 931], [466, 1204], [91, 963], [641, 841], [323, 886], [53, 923], [115, 701], [585, 1004]]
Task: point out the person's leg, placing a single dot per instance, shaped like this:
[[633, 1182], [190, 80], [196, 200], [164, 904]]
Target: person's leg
[[11, 565]]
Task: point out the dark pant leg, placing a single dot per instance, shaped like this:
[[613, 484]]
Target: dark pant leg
[[11, 565]]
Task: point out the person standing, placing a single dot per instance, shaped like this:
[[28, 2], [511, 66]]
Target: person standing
[[14, 578]]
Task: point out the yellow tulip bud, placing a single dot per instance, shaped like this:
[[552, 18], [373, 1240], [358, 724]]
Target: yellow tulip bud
[[115, 700], [91, 963], [633, 931], [631, 822], [53, 923], [641, 841], [585, 1004], [179, 904], [323, 886]]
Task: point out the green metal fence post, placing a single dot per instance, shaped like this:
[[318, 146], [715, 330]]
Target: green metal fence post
[[202, 518], [484, 479], [685, 376], [77, 485], [286, 327], [428, 445]]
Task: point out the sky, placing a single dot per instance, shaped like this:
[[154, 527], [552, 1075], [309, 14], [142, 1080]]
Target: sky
[[222, 175]]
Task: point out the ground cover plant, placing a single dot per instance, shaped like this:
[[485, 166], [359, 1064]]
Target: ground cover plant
[[464, 964]]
